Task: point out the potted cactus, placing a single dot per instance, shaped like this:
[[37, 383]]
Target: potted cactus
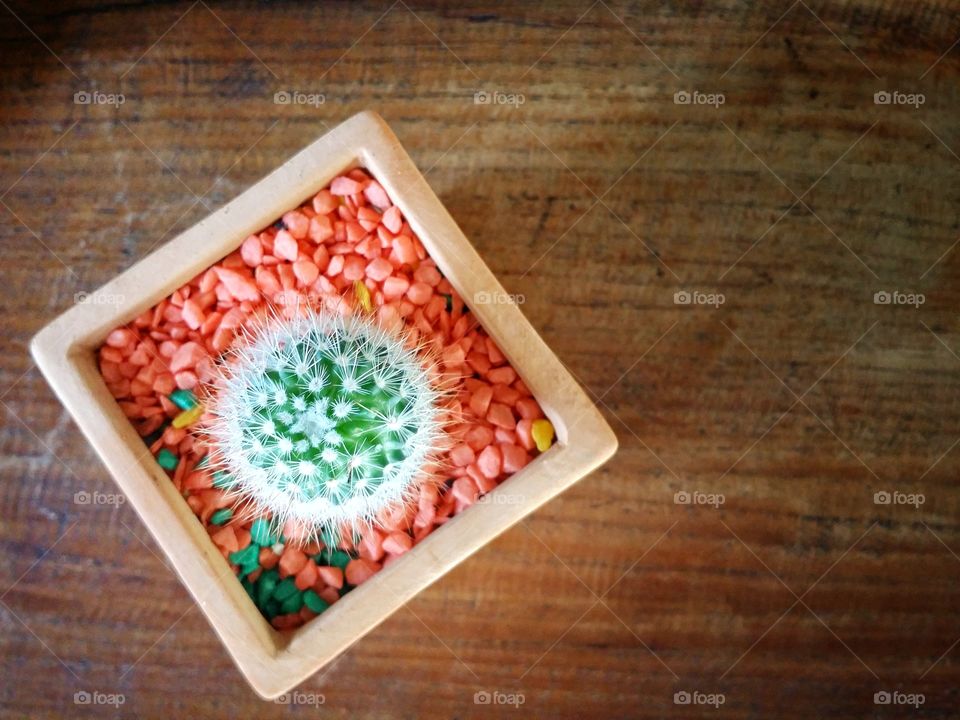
[[324, 422], [323, 387]]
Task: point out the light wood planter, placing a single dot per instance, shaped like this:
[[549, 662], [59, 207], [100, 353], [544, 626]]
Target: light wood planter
[[65, 351]]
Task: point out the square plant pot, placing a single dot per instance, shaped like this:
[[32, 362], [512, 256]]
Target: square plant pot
[[65, 350]]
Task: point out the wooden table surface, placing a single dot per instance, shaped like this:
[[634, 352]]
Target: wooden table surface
[[781, 199]]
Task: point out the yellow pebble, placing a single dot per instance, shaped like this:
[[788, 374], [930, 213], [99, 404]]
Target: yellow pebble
[[542, 432], [363, 295], [188, 417]]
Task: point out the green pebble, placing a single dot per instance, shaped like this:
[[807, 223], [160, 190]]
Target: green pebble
[[248, 586], [222, 480], [314, 601], [271, 609], [260, 532], [265, 587], [292, 604], [167, 460], [248, 559], [183, 399], [221, 516], [202, 462], [340, 559], [285, 589]]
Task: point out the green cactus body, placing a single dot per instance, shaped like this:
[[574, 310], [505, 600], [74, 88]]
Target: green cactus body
[[325, 420]]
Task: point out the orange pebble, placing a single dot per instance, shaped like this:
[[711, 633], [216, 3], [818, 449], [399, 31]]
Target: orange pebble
[[529, 408], [131, 410], [306, 271], [336, 266], [292, 561], [506, 395], [392, 219], [501, 416], [286, 622], [514, 458], [321, 229], [187, 356], [226, 539], [345, 186], [478, 437], [360, 570], [330, 595], [395, 287], [285, 246], [406, 253], [465, 491], [192, 314], [462, 455], [397, 543], [493, 352], [268, 558], [186, 380], [324, 202], [111, 355], [427, 274], [419, 293], [376, 195], [267, 281], [525, 433], [502, 375], [368, 218], [296, 223], [379, 270], [490, 461], [371, 546], [480, 401], [252, 251], [241, 287], [484, 484], [480, 363], [121, 337], [307, 576], [198, 480], [330, 575], [354, 268]]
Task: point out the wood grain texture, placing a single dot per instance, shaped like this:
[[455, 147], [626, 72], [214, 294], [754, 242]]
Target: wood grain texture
[[597, 199]]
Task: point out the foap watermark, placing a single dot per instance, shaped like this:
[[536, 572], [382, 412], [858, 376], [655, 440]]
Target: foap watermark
[[95, 97], [685, 697], [884, 97], [895, 497], [295, 97], [685, 97], [695, 497], [496, 97], [895, 697], [98, 298], [498, 298], [301, 698], [85, 697], [695, 297], [895, 297], [500, 498], [98, 498], [495, 697]]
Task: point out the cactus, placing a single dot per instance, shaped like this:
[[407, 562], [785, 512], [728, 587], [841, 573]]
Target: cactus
[[325, 420]]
